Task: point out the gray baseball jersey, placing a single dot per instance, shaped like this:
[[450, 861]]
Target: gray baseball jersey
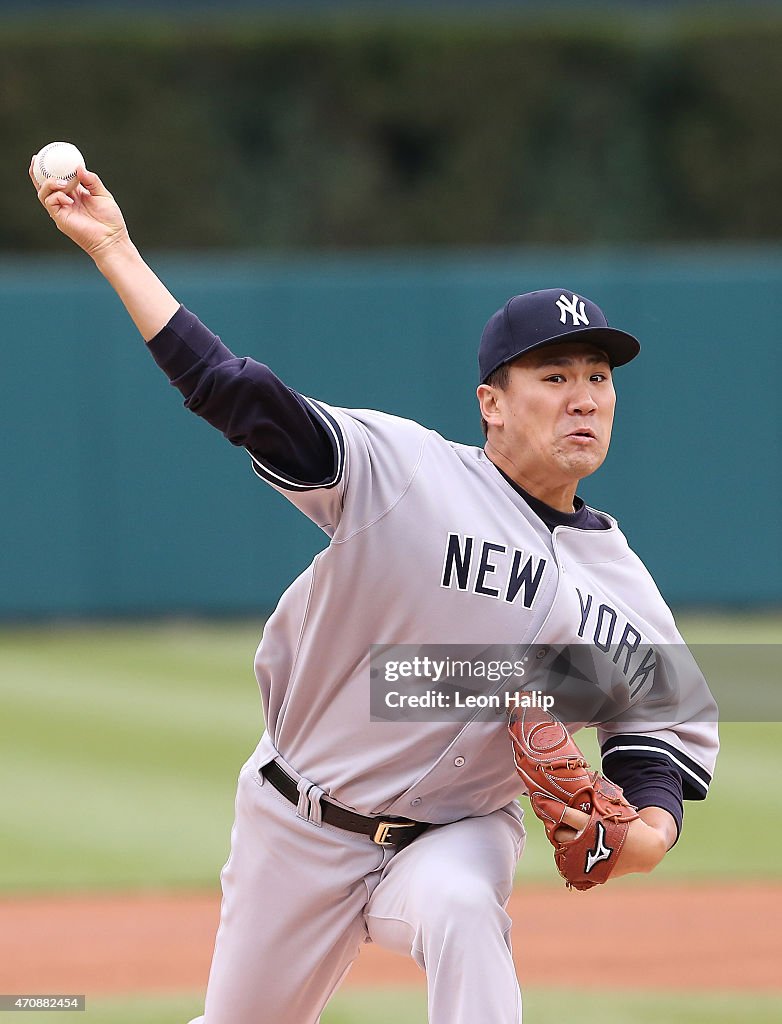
[[429, 544]]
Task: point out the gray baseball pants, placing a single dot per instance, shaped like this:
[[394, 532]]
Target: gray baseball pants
[[299, 900]]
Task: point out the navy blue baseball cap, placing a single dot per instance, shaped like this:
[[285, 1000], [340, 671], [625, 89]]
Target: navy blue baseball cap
[[546, 317]]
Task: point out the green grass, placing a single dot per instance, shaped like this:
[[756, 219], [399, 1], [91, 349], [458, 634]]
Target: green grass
[[119, 750], [739, 628], [390, 1006], [543, 1007], [120, 746]]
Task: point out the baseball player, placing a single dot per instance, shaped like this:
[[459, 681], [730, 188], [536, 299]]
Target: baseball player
[[407, 833]]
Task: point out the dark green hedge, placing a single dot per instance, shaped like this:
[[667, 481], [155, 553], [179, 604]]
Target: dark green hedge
[[350, 135]]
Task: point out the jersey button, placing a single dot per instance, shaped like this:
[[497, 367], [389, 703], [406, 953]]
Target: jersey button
[[458, 762], [542, 652], [416, 802]]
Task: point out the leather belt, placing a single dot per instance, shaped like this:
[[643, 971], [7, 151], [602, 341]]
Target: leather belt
[[396, 832]]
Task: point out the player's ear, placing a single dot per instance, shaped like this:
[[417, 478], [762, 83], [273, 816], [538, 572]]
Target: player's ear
[[487, 402]]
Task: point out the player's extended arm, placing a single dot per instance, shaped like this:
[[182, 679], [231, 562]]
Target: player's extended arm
[[241, 398], [91, 218]]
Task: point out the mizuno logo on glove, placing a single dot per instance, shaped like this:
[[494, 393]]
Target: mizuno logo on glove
[[600, 852]]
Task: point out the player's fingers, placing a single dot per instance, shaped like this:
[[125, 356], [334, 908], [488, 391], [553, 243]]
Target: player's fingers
[[558, 812], [52, 186], [575, 818], [565, 833], [569, 820], [57, 201], [91, 181], [39, 186]]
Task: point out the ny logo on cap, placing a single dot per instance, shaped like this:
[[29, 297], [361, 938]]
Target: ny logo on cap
[[575, 308]]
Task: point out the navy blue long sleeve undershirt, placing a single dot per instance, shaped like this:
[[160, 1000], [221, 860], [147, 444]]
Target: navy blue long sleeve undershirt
[[252, 408], [244, 400]]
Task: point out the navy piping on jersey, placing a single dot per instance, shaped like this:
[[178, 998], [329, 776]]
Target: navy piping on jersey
[[280, 479], [648, 780], [696, 780]]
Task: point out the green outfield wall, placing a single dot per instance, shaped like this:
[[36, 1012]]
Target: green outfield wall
[[581, 127], [116, 501]]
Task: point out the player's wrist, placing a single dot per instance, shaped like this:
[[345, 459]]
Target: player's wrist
[[663, 822], [114, 253], [645, 847]]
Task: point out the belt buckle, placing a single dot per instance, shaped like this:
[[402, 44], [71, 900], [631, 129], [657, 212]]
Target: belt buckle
[[381, 833]]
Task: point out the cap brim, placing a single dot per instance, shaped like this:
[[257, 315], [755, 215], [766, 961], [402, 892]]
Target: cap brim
[[619, 346]]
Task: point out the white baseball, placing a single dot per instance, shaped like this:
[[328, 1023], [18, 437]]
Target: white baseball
[[57, 160]]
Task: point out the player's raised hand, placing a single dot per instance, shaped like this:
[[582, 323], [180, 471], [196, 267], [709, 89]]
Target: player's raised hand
[[87, 214]]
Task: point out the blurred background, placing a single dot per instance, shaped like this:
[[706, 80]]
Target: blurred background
[[347, 191]]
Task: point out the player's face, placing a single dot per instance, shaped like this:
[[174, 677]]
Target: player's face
[[556, 413]]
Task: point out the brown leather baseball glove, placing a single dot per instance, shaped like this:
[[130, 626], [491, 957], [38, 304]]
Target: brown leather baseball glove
[[557, 776]]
